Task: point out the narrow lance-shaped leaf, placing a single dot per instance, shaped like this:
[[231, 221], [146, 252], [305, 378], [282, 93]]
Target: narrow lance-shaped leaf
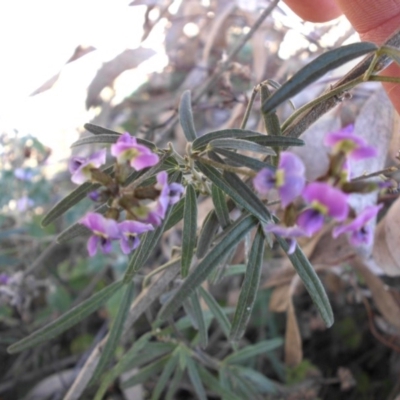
[[240, 160], [148, 242], [247, 200], [249, 289], [253, 351], [99, 130], [189, 229], [315, 70], [186, 117], [276, 141], [271, 120], [234, 234], [216, 309], [122, 364], [70, 318], [147, 372], [212, 383], [311, 281], [165, 375], [176, 214], [195, 379], [221, 208], [200, 320], [71, 199], [115, 332], [108, 139], [202, 141], [240, 144], [207, 233]]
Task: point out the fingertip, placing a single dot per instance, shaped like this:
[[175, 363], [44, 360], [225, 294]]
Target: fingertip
[[315, 10]]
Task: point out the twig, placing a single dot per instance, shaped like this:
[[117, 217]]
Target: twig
[[139, 306], [224, 66], [298, 126]]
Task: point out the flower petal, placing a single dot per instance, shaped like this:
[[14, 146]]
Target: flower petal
[[310, 221]]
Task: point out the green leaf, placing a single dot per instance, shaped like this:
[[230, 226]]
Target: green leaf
[[165, 375], [221, 208], [216, 309], [151, 353], [311, 281], [207, 233], [71, 199], [315, 70], [195, 379], [198, 315], [249, 289], [241, 160], [71, 318], [174, 384], [247, 199], [264, 384], [148, 242], [234, 234], [203, 141], [186, 117], [122, 365], [271, 120], [176, 214], [276, 141], [253, 351], [236, 269], [240, 144], [115, 332], [108, 139], [99, 130], [212, 383], [147, 372], [189, 229]]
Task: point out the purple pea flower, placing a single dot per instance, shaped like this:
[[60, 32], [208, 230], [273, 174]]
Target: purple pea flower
[[287, 232], [24, 174], [324, 200], [81, 167], [169, 193], [104, 231], [344, 140], [4, 278], [129, 234], [126, 149], [360, 233], [154, 212], [288, 178]]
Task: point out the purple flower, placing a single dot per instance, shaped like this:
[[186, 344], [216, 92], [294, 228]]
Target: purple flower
[[288, 232], [324, 200], [24, 203], [355, 147], [360, 233], [80, 167], [104, 231], [169, 193], [129, 234], [288, 178], [4, 278], [154, 212], [126, 149], [24, 174]]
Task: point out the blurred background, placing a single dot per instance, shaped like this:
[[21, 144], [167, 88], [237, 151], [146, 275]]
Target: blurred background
[[123, 65]]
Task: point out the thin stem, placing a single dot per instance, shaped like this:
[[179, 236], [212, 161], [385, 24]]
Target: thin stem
[[226, 64], [377, 173], [319, 100], [168, 264]]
